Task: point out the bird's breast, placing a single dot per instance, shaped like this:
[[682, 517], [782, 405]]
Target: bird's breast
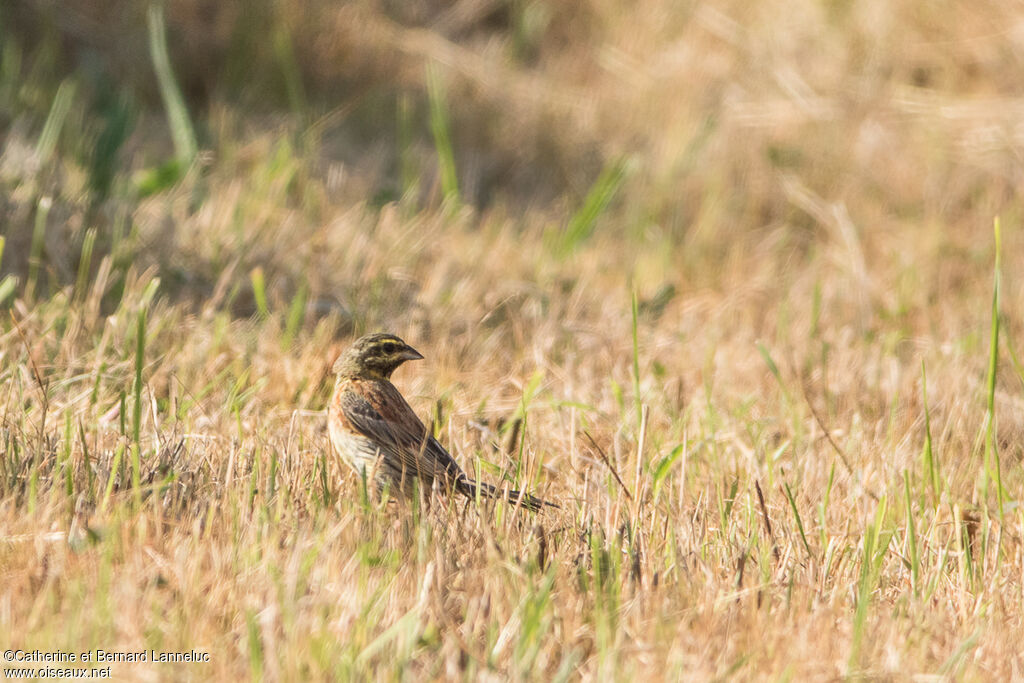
[[358, 451]]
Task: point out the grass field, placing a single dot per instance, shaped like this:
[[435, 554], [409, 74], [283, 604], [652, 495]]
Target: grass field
[[737, 284]]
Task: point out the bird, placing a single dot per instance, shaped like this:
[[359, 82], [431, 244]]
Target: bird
[[377, 433]]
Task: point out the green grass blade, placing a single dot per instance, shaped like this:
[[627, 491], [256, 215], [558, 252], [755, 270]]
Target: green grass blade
[[84, 264], [259, 291], [296, 314], [182, 133], [915, 561], [582, 223], [875, 545], [7, 288], [799, 521], [931, 463], [663, 467], [774, 369], [55, 121], [115, 465], [823, 506], [440, 128], [35, 254], [284, 53], [770, 362], [118, 117], [992, 464]]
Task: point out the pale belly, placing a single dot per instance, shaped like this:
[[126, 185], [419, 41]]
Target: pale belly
[[364, 457], [358, 452]]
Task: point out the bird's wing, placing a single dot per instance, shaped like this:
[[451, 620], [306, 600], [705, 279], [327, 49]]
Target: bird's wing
[[399, 433]]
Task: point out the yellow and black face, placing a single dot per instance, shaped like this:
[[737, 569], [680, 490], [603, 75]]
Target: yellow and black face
[[375, 355]]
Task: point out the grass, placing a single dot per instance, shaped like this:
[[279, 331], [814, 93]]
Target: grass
[[698, 321]]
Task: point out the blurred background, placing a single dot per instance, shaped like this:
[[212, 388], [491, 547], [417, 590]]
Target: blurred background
[[698, 125], [704, 121]]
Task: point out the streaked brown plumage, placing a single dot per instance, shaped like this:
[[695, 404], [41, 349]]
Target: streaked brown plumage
[[376, 432]]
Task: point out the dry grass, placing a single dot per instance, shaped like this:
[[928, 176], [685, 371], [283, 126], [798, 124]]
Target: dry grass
[[800, 198]]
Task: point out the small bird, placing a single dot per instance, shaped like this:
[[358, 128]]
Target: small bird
[[377, 433]]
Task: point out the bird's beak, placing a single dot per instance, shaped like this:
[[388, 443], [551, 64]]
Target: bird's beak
[[410, 354]]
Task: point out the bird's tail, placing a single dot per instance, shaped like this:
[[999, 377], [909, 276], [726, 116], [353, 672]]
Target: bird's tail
[[470, 488]]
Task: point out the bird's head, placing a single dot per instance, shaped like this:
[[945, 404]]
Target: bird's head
[[374, 356]]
